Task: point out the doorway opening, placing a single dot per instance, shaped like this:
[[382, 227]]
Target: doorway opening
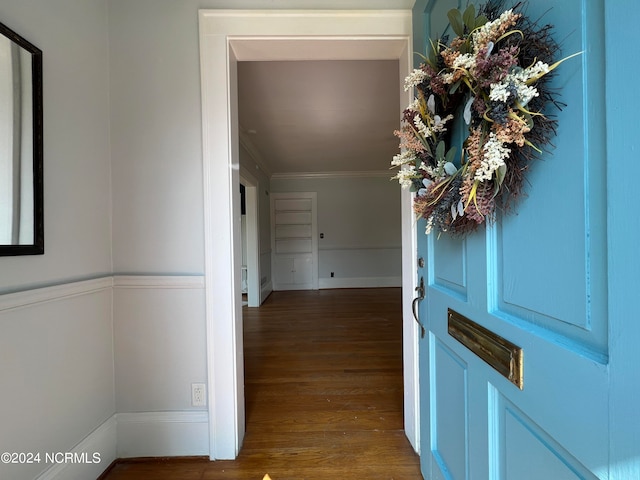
[[226, 38]]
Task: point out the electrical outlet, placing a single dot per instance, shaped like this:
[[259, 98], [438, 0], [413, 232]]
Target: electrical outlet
[[198, 395]]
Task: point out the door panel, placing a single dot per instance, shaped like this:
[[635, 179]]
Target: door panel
[[528, 445], [448, 265], [526, 448], [303, 270], [450, 410], [537, 278]]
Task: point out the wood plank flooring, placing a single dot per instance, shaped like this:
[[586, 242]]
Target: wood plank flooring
[[323, 388]]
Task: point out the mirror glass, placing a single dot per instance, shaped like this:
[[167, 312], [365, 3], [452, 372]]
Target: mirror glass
[[21, 209]]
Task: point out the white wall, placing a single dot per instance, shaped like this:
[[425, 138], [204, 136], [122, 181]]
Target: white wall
[[360, 220], [56, 348]]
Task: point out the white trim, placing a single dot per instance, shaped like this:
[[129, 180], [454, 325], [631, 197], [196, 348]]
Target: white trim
[[162, 434], [38, 295], [318, 25], [312, 175], [360, 282], [188, 416], [252, 236], [101, 441], [411, 333], [28, 298], [158, 281], [219, 135], [225, 37]]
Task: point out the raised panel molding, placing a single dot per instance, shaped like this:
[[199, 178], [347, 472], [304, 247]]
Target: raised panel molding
[[562, 295], [522, 449], [450, 411], [448, 265]]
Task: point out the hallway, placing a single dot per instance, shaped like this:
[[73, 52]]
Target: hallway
[[323, 386]]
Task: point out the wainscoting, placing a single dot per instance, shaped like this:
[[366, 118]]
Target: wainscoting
[[102, 366], [160, 350], [360, 267], [57, 377]]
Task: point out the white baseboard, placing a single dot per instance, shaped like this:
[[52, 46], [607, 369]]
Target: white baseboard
[[163, 434], [363, 282], [127, 435], [90, 457]]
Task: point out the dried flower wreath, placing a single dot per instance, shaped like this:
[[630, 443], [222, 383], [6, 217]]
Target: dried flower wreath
[[495, 74]]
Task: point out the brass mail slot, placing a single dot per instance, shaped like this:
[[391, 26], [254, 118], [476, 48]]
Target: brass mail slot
[[501, 354]]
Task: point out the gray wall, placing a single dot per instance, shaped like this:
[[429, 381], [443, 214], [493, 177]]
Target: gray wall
[[56, 344], [77, 195], [124, 196], [360, 220]]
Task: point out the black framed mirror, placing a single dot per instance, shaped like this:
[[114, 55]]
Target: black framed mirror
[[21, 146]]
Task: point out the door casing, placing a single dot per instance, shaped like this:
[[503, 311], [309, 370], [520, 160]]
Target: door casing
[[229, 36]]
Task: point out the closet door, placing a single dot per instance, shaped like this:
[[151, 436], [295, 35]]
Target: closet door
[[294, 241]]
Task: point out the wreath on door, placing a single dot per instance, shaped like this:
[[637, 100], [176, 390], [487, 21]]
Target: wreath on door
[[495, 76]]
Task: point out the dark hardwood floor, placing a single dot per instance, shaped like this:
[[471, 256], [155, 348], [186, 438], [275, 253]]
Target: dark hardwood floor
[[323, 387]]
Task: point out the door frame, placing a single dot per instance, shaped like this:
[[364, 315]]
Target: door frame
[[253, 242], [229, 36]]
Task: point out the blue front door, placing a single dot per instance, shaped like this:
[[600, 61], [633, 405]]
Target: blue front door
[[538, 278]]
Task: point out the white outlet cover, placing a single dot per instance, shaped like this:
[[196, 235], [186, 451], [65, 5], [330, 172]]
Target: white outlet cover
[[198, 395]]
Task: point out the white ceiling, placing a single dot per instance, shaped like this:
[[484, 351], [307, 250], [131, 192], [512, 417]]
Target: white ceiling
[[320, 116]]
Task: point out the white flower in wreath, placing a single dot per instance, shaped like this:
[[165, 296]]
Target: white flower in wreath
[[439, 123], [406, 175], [499, 92], [421, 127], [414, 78], [525, 94], [403, 158], [466, 61], [494, 155]]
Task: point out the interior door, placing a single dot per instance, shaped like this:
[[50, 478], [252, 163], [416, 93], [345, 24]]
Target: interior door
[[537, 279]]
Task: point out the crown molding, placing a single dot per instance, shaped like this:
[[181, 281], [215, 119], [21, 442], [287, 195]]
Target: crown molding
[[347, 174], [253, 152]]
